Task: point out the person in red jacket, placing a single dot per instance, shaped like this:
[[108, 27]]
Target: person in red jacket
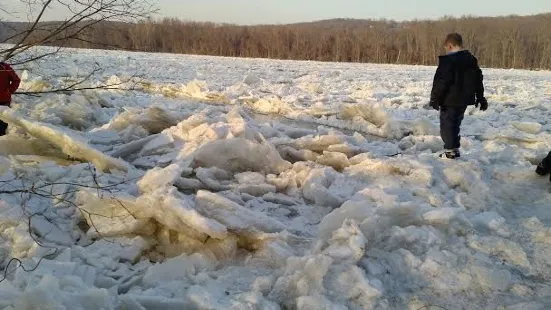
[[9, 83]]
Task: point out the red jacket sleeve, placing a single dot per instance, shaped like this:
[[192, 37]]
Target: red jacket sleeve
[[14, 78]]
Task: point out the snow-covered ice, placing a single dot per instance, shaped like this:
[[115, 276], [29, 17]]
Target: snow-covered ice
[[222, 183]]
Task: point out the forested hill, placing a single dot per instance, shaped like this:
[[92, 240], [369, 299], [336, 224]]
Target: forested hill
[[503, 42]]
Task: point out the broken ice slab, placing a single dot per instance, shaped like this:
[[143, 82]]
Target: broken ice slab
[[106, 254], [127, 215], [176, 211], [69, 142], [17, 145], [237, 219], [239, 155], [154, 119], [113, 217], [133, 147]]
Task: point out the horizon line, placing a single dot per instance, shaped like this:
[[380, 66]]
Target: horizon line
[[380, 19]]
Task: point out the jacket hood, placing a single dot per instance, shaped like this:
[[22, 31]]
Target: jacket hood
[[463, 58]]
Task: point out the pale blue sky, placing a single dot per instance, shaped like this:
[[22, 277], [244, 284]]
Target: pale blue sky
[[284, 11], [287, 11]]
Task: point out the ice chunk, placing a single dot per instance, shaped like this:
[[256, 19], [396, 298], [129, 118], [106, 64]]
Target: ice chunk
[[351, 286], [491, 221], [347, 242], [254, 183], [339, 161], [59, 269], [125, 249], [8, 294], [316, 187], [178, 268], [320, 275], [491, 279], [222, 251], [10, 145], [304, 276], [344, 148], [196, 89], [318, 143], [441, 216], [174, 210], [288, 152], [507, 250], [69, 143], [250, 178], [369, 112], [238, 155], [140, 302], [268, 105], [372, 119], [256, 190], [154, 120], [459, 177], [531, 305], [50, 294], [103, 137], [272, 254], [424, 127], [358, 159], [510, 135], [46, 230], [529, 127], [214, 178], [133, 147], [10, 214], [159, 177], [160, 145], [111, 217], [251, 79], [185, 184], [237, 218], [317, 303]]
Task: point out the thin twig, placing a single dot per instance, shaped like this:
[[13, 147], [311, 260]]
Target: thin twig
[[7, 271], [430, 306]]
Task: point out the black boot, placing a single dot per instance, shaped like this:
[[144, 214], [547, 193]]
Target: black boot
[[541, 170], [450, 154]]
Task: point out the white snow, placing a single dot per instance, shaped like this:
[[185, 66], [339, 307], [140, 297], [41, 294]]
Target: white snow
[[221, 183]]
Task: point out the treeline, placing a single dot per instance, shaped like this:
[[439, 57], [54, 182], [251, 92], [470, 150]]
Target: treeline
[[502, 42]]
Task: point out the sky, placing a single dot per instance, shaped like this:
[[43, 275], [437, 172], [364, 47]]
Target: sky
[[287, 11], [249, 12]]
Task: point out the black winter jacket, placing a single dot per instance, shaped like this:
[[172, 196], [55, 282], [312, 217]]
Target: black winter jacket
[[458, 81]]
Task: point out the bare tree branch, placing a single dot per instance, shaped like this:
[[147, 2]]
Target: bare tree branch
[[32, 188], [85, 15], [35, 58], [76, 86], [31, 30]]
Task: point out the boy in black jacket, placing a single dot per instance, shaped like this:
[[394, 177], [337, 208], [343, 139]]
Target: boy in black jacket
[[458, 83]]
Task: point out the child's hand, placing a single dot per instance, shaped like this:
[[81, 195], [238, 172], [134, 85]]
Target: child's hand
[[434, 105], [483, 103]]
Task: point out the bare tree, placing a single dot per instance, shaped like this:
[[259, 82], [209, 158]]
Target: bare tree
[[520, 42], [82, 24]]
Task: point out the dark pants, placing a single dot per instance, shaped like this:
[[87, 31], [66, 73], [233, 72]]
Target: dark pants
[[546, 163], [3, 126], [450, 123]]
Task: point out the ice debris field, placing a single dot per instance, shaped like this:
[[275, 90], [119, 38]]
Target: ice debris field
[[217, 183]]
